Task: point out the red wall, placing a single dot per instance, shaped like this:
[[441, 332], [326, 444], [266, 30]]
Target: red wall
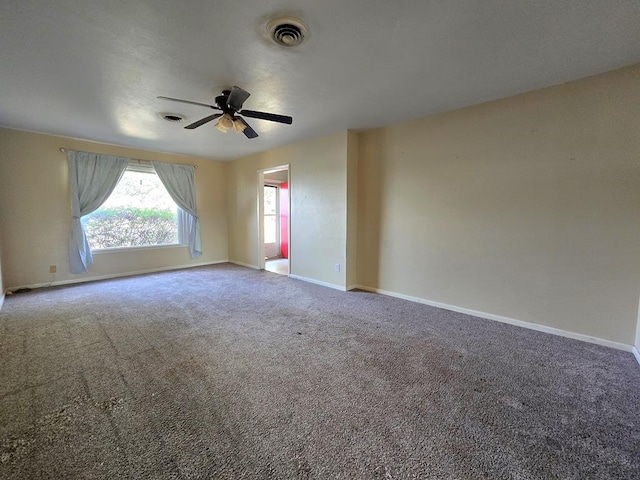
[[284, 220]]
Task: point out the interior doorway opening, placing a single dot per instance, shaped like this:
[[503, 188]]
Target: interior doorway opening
[[274, 219]]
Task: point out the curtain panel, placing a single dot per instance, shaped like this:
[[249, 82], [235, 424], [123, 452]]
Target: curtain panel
[[92, 178], [179, 180]]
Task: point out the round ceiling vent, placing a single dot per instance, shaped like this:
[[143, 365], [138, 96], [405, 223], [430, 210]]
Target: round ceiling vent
[[287, 31], [172, 117]]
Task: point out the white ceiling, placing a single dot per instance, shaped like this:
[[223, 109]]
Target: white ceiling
[[93, 70]]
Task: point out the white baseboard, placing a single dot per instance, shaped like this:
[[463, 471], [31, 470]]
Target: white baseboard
[[317, 282], [636, 354], [511, 321], [1, 300], [114, 275], [248, 265], [352, 287]]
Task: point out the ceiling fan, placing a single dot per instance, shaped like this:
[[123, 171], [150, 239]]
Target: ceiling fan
[[230, 104]]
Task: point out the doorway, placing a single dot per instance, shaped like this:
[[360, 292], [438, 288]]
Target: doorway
[[274, 219]]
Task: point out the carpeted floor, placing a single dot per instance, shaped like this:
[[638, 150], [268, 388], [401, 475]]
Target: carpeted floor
[[226, 372]]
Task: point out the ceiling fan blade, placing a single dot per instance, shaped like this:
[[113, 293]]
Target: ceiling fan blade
[[203, 121], [272, 117], [190, 102], [237, 98], [248, 131]]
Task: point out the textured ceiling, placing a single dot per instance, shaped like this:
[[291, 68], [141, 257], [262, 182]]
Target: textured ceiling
[[93, 70]]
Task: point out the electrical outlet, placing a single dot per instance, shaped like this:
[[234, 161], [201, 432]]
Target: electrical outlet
[[337, 267], [53, 268]]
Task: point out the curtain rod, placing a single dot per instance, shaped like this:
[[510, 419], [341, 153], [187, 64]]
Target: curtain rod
[[63, 150]]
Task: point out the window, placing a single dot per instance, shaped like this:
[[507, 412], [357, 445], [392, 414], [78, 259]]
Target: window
[[270, 213], [139, 212]]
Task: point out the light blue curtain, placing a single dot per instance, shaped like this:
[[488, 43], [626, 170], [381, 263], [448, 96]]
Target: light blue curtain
[[92, 178], [179, 180]]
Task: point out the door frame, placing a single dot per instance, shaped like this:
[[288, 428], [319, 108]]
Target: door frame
[[260, 208]]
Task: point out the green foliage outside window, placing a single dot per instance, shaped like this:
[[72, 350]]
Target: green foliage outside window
[[130, 227]]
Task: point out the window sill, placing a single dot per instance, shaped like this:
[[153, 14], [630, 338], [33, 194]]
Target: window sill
[[136, 249]]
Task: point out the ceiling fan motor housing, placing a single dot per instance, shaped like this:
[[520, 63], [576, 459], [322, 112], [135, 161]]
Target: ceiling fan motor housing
[[221, 101]]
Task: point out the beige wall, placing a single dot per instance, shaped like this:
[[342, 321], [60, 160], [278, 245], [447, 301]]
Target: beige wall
[[35, 211], [637, 342], [352, 209], [318, 206], [527, 208], [1, 280]]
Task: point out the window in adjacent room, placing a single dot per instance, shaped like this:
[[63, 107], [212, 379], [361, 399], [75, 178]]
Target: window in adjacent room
[[271, 230], [138, 213]]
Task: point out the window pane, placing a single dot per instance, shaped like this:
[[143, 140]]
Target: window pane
[[270, 200], [269, 229], [139, 212]]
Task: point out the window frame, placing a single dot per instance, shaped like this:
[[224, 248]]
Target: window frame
[[144, 168], [276, 215]]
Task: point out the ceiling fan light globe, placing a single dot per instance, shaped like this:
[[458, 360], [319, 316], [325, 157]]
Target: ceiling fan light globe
[[221, 127], [239, 126], [226, 121]]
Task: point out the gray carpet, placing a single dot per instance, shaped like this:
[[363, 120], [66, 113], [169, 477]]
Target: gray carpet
[[226, 372]]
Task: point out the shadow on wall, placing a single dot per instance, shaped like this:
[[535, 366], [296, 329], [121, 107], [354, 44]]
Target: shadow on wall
[[371, 171]]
